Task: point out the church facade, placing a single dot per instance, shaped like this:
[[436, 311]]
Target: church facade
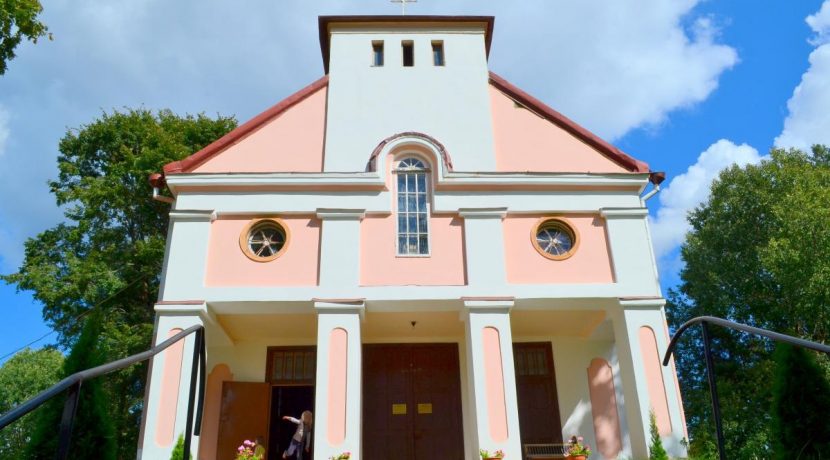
[[424, 256]]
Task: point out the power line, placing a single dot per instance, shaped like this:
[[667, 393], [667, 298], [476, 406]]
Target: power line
[[77, 318]]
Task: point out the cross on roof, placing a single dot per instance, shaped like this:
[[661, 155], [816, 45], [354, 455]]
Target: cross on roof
[[403, 5]]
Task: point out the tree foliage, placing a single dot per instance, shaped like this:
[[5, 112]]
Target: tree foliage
[[656, 451], [23, 376], [93, 432], [19, 20], [801, 402], [758, 253], [108, 253]]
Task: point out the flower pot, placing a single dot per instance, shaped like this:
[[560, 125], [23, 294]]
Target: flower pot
[[576, 457]]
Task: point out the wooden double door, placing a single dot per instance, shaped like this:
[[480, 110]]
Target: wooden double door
[[412, 402], [539, 421]]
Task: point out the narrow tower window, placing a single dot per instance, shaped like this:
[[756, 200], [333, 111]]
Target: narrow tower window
[[413, 231], [438, 53], [408, 53], [377, 53]]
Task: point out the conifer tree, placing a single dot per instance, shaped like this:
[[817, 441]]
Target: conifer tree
[[93, 433], [656, 450], [801, 402]]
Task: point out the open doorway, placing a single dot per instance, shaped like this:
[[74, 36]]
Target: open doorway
[[291, 372], [287, 400]]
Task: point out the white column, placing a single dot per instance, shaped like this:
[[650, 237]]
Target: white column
[[484, 237], [340, 248], [628, 321], [185, 258], [168, 387], [337, 421], [491, 376], [631, 251]]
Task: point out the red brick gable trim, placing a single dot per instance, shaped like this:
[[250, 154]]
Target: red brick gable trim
[[190, 163], [546, 112]]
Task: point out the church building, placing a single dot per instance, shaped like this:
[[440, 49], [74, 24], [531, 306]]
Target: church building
[[426, 257]]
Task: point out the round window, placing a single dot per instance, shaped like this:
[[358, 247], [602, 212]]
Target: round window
[[555, 238], [264, 239]]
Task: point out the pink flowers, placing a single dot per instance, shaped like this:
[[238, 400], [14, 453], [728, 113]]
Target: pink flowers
[[343, 456], [246, 451]]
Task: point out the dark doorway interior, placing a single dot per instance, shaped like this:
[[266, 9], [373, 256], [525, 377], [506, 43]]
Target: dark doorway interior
[[539, 421], [292, 401], [412, 402]]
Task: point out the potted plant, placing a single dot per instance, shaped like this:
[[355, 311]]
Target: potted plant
[[485, 455], [343, 456], [576, 449]]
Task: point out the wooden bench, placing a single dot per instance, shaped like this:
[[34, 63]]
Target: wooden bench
[[545, 451]]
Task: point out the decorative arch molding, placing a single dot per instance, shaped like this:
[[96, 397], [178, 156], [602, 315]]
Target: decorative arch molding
[[409, 138]]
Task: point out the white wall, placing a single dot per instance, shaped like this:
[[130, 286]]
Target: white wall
[[367, 104]]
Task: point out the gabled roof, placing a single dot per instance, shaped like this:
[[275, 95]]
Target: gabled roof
[[188, 164], [546, 112], [613, 153], [326, 21]]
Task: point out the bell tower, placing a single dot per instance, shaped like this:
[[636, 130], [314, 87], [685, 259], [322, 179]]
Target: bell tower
[[395, 74]]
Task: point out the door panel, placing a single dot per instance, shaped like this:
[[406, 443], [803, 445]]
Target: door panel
[[406, 376], [436, 386], [539, 421], [243, 415], [288, 400]]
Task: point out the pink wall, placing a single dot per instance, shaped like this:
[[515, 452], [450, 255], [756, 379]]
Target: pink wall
[[171, 376], [654, 379], [213, 404], [338, 365], [589, 264], [526, 142], [227, 265], [604, 408], [494, 384], [381, 266], [292, 142]]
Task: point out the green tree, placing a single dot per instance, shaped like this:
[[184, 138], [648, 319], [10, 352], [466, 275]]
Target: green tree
[[19, 20], [758, 253], [24, 375], [178, 450], [107, 255], [93, 432], [656, 451], [801, 402]]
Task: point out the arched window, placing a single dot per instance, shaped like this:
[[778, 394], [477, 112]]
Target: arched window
[[413, 214]]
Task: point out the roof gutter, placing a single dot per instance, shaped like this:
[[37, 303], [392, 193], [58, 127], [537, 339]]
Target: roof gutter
[[157, 182], [656, 178]]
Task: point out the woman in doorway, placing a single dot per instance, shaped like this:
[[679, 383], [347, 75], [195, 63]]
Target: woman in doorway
[[302, 437]]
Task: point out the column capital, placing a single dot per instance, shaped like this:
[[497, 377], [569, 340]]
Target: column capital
[[482, 213], [488, 304], [192, 216], [340, 214], [623, 213], [340, 306], [642, 303]]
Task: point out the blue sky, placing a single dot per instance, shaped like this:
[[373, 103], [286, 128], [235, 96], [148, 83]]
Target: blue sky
[[690, 86]]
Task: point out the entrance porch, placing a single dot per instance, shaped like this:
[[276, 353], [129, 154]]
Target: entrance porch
[[412, 381]]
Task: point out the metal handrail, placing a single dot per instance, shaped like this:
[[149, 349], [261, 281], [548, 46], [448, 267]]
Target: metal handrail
[[704, 321], [72, 385]]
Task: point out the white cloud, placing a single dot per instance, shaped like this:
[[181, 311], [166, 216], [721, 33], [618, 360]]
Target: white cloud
[[612, 66], [808, 120], [820, 23], [688, 190]]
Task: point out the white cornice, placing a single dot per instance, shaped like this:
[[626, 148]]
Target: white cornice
[[372, 180]]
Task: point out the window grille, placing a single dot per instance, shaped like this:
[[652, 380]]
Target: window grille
[[413, 216]]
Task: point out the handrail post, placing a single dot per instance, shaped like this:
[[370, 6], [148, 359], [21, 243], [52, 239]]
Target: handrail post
[[713, 388], [70, 408], [194, 374], [197, 430]]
